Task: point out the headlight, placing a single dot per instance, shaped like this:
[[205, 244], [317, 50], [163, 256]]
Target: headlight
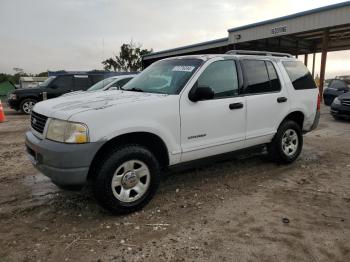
[[67, 132], [12, 96], [336, 101]]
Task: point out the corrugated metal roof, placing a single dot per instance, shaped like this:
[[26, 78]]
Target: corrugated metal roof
[[296, 15], [216, 41]]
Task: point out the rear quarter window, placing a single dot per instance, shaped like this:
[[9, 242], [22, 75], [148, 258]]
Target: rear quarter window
[[299, 75]]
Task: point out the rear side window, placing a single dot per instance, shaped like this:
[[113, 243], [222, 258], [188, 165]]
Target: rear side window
[[96, 78], [299, 75], [274, 81], [64, 82], [82, 82], [260, 77], [121, 82]]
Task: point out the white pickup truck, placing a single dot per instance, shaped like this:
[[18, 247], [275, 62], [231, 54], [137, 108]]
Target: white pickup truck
[[178, 110]]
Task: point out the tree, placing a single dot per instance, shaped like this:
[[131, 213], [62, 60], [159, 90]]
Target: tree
[[129, 58], [42, 74]]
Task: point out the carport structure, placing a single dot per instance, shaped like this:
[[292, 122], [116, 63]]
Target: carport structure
[[319, 30]]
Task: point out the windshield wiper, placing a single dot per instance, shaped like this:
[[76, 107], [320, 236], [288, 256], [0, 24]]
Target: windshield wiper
[[136, 89]]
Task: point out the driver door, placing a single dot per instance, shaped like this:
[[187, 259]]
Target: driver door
[[214, 126]]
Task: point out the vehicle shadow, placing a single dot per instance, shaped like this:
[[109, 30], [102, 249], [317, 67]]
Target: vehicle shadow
[[45, 195]]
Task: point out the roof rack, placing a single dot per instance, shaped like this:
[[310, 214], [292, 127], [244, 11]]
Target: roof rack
[[263, 53]]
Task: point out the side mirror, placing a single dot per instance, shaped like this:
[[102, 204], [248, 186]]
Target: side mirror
[[199, 93]]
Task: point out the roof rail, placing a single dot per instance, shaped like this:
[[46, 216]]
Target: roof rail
[[263, 53]]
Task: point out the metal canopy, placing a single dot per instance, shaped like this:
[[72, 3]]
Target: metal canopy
[[300, 33], [318, 30]]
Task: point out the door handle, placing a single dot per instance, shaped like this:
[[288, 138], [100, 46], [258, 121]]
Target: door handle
[[282, 99], [235, 106]]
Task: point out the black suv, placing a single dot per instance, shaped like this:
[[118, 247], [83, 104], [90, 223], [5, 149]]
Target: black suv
[[340, 107], [54, 86], [335, 88]]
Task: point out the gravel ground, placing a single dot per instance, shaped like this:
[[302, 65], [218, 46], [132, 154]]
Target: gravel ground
[[244, 209]]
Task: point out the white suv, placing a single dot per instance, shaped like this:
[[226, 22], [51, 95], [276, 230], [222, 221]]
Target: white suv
[[177, 110]]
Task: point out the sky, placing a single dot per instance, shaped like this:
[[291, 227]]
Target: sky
[[40, 35]]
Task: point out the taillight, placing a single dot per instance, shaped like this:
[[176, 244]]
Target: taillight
[[318, 102]]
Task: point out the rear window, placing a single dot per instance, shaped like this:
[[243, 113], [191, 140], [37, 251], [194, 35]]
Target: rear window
[[299, 75]]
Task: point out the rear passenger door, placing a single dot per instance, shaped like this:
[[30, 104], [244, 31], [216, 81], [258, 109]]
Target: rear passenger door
[[266, 98]]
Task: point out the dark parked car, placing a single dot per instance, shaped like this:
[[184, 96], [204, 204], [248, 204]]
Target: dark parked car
[[335, 88], [341, 106], [54, 86]]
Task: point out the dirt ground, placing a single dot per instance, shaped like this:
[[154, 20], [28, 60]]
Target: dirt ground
[[244, 209]]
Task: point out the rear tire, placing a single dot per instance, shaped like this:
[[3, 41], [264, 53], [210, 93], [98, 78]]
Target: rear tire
[[27, 105], [127, 179], [287, 144]]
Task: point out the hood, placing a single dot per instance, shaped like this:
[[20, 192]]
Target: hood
[[66, 106], [73, 93], [344, 96], [28, 90]]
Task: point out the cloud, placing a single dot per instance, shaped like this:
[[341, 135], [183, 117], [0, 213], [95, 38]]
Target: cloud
[[45, 34]]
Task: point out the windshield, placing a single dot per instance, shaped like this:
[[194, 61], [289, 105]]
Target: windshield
[[101, 84], [338, 84], [47, 81], [164, 77]]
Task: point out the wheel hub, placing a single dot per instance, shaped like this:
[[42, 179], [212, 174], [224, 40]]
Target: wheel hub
[[129, 179], [290, 142]]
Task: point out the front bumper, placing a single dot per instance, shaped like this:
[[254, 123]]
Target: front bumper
[[14, 104], [64, 164], [340, 111]]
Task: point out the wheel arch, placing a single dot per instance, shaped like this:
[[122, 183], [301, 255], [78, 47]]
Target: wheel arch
[[28, 97], [149, 140], [296, 116]]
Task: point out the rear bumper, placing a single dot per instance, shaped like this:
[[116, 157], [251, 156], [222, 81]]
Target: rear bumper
[[316, 120], [340, 111], [64, 164]]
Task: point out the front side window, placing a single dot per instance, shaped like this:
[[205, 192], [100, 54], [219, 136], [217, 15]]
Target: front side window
[[63, 82], [101, 84], [47, 81], [164, 77], [299, 75], [260, 77], [221, 77], [120, 83]]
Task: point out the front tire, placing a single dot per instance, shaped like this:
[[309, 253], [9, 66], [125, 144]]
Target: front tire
[[287, 144], [127, 179], [27, 105]]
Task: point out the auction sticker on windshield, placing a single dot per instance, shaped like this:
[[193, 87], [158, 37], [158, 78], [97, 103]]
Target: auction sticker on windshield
[[183, 68]]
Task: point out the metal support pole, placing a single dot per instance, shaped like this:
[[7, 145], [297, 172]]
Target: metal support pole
[[305, 59], [313, 64], [323, 61]]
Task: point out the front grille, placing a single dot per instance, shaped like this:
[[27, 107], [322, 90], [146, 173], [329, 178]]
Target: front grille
[[38, 122], [345, 102]]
